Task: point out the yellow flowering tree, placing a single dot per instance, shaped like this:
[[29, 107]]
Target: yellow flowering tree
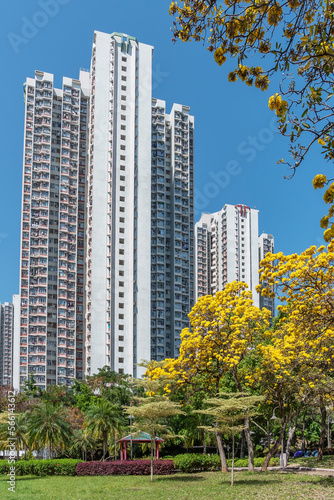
[[223, 330], [303, 54], [305, 284]]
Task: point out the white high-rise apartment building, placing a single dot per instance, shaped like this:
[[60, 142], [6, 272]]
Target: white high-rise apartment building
[[119, 204], [266, 244], [226, 245], [107, 201]]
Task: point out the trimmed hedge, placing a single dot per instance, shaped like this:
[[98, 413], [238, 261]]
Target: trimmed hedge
[[189, 462], [61, 467], [125, 468]]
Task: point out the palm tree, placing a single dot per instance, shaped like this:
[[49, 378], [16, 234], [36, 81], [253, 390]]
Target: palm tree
[[47, 426], [102, 420], [20, 434], [83, 442]]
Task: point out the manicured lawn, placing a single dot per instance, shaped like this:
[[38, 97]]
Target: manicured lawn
[[203, 486], [327, 462]]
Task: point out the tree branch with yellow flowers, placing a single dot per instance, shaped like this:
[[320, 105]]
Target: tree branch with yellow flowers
[[293, 38]]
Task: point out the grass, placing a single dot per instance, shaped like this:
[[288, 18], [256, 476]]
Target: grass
[[203, 486], [327, 462]]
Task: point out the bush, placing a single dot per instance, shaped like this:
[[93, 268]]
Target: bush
[[125, 468], [189, 462], [61, 467]]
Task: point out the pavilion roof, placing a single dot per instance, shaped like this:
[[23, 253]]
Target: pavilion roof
[[139, 437]]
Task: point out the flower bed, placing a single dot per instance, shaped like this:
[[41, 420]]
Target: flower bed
[[125, 468]]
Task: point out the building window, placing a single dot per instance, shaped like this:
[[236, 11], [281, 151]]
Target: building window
[[121, 283], [123, 87], [123, 108], [121, 338], [122, 167], [121, 349], [124, 78], [121, 360]]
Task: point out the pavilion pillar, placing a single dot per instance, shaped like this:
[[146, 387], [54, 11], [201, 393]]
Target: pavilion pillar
[[157, 450], [121, 450], [125, 449]]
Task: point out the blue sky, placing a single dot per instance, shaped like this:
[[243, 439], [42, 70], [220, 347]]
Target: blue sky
[[236, 143]]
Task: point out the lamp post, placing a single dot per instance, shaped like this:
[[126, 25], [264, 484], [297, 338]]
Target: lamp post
[[282, 457]]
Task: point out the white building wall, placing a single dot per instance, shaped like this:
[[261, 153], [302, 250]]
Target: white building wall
[[142, 341], [98, 200]]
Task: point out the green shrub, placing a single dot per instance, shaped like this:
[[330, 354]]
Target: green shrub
[[189, 462], [61, 467], [193, 461]]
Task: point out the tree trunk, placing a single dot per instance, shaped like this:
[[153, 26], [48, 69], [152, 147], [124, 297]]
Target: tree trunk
[[242, 445], [104, 448], [249, 446], [246, 430], [152, 451], [274, 448], [221, 452], [291, 433], [303, 432], [323, 429]]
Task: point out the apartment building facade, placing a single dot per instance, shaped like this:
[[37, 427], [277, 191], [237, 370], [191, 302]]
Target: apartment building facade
[[53, 230], [227, 249], [172, 219]]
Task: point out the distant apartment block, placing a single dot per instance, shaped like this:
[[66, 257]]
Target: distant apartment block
[[7, 341], [227, 249], [266, 244]]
